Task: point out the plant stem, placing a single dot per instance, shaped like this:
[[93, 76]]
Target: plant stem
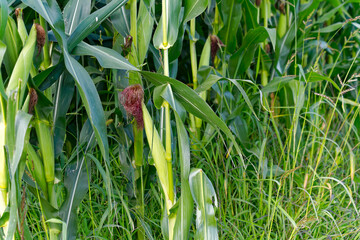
[[138, 132], [164, 29], [3, 165], [171, 201], [168, 131], [138, 158], [195, 122], [133, 21]]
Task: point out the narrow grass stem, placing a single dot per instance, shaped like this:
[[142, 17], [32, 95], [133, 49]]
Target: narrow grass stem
[[171, 201], [194, 121], [133, 21], [193, 53], [164, 22]]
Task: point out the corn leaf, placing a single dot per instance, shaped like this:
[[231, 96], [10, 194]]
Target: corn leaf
[[120, 19], [193, 103], [13, 43], [3, 17], [186, 205], [108, 58], [204, 194], [194, 8], [87, 90], [173, 22], [64, 94], [18, 133], [92, 22], [231, 15], [74, 12], [240, 61], [145, 23], [76, 180]]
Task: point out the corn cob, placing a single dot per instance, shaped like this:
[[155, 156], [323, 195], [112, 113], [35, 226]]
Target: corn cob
[[37, 168], [21, 25], [23, 65], [23, 34], [46, 148], [13, 44]]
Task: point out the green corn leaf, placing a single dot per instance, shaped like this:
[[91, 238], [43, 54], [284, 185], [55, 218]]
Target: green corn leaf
[[108, 58], [92, 22], [203, 193], [120, 19], [231, 12], [13, 43], [22, 122], [193, 103], [20, 74], [164, 92], [87, 90], [13, 218], [157, 150], [91, 101], [3, 17], [47, 78], [18, 133], [50, 11], [194, 8], [36, 166], [145, 23], [250, 14], [76, 180], [74, 12], [186, 202], [240, 61], [63, 97], [173, 22]]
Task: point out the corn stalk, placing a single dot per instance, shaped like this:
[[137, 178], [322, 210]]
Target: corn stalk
[[9, 112]]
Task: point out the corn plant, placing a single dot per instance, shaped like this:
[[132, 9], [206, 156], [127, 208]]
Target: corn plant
[[118, 119]]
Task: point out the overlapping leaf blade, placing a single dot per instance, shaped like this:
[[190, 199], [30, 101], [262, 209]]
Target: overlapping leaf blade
[[204, 194], [92, 22], [75, 11], [194, 8], [108, 58], [186, 205], [194, 104]]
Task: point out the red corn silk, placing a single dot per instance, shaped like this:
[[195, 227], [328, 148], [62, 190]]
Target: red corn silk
[[216, 43], [131, 98], [40, 37]]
